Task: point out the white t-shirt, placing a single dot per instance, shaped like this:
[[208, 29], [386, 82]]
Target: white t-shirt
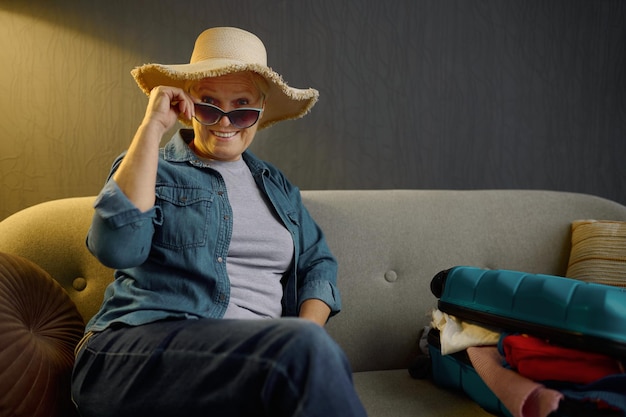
[[261, 248]]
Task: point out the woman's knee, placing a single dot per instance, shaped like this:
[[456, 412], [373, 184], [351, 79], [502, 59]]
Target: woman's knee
[[311, 342]]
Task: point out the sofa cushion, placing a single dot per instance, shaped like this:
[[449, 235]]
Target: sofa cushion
[[598, 252], [394, 393], [40, 326]]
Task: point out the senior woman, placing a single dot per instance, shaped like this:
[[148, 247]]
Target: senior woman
[[211, 247]]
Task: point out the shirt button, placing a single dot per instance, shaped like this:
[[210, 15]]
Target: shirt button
[[226, 217], [222, 297], [219, 259], [220, 193]]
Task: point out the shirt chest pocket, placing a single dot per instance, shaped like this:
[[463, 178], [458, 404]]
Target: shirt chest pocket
[[184, 219]]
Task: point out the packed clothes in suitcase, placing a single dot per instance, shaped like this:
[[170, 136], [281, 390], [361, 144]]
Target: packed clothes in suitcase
[[523, 344]]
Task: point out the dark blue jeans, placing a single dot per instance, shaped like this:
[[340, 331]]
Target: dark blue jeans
[[284, 367]]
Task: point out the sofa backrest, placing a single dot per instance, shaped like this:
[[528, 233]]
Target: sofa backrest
[[389, 244]]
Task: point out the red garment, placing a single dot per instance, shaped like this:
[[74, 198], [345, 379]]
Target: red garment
[[538, 360]]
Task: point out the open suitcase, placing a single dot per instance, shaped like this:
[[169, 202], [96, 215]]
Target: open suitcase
[[568, 312], [455, 371]]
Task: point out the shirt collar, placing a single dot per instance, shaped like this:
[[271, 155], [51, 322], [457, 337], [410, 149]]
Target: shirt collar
[[177, 149]]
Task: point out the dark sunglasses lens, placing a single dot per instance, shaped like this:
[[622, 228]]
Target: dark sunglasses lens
[[243, 118], [210, 115], [207, 114]]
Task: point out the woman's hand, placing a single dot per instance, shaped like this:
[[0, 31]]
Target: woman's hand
[[165, 105], [136, 175], [315, 310]]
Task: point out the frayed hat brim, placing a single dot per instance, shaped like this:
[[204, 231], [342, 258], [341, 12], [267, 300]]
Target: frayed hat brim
[[282, 101]]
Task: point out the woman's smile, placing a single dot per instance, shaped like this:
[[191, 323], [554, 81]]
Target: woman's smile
[[224, 135]]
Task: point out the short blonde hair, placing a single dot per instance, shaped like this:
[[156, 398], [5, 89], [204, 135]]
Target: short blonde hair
[[258, 80]]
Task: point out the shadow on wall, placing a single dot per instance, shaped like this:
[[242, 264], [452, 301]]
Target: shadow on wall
[[70, 102]]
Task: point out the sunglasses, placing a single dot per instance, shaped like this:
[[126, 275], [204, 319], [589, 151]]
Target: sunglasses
[[208, 115]]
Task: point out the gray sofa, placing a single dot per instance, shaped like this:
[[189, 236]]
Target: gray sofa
[[389, 244]]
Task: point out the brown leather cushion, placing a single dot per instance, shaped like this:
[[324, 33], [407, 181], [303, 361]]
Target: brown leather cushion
[[39, 327]]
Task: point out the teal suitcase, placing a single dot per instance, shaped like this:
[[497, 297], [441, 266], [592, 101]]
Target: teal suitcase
[[568, 312]]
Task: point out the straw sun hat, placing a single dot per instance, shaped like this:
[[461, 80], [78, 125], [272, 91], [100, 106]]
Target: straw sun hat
[[225, 50]]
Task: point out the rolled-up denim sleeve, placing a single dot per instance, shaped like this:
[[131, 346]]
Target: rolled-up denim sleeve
[[321, 288], [120, 235], [317, 265]]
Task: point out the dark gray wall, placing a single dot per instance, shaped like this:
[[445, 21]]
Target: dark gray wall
[[460, 94], [414, 94]]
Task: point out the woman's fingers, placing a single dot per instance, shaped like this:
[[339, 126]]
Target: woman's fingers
[[183, 107], [166, 104]]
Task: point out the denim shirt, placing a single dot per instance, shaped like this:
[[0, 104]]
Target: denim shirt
[[170, 261]]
